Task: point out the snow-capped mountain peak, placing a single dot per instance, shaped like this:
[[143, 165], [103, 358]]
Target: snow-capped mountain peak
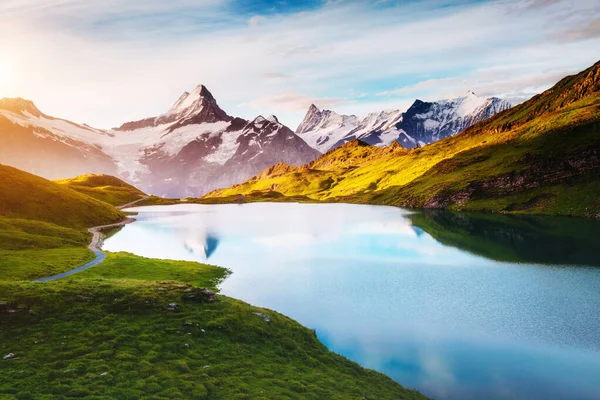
[[316, 118], [196, 107], [190, 100], [322, 128], [426, 122], [469, 103], [199, 101]]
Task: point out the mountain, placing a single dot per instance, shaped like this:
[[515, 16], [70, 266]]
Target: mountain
[[49, 147], [325, 130], [26, 196], [193, 148], [427, 122], [540, 157], [423, 123], [322, 129]]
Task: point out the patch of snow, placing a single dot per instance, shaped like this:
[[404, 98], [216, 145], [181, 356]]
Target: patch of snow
[[176, 140], [227, 149], [59, 127], [468, 104], [430, 124], [387, 137]]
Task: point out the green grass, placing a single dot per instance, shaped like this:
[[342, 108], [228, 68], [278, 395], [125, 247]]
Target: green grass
[[106, 188], [127, 266], [26, 196], [34, 249], [540, 157], [33, 264], [107, 332], [21, 234]]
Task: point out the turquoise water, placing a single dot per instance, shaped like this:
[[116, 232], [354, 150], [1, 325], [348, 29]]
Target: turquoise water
[[458, 306]]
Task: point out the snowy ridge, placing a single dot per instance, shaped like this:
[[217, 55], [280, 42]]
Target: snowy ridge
[[427, 122], [325, 129], [421, 124]]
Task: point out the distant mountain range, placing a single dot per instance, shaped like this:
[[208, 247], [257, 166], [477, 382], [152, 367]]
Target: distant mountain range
[[196, 147], [540, 157], [423, 123], [193, 148]]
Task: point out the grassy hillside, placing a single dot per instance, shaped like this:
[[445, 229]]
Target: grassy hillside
[[26, 196], [43, 225], [33, 249], [106, 188], [108, 332], [541, 157]]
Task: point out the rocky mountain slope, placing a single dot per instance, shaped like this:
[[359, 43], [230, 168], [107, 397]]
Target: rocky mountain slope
[[540, 157], [423, 123], [193, 148]]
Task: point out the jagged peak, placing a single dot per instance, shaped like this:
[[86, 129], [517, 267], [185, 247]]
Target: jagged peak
[[259, 120], [313, 108], [196, 107], [203, 92], [187, 99], [272, 118]]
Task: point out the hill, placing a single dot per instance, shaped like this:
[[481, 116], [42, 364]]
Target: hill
[[106, 188], [26, 196], [541, 157]]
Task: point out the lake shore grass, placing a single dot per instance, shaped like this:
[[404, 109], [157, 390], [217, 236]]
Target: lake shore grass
[[141, 328]]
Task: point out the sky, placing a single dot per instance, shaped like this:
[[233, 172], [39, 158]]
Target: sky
[[111, 61]]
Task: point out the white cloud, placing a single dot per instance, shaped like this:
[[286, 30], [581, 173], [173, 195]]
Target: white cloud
[[108, 62], [254, 21], [513, 84]]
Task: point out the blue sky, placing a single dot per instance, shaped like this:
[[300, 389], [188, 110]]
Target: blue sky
[[112, 61]]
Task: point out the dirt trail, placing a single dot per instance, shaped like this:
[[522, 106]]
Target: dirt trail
[[94, 245], [132, 203]]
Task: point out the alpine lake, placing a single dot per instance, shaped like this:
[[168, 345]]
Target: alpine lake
[[456, 305]]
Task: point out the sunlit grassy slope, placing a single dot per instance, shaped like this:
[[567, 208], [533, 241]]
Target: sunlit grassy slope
[[33, 249], [107, 188], [540, 157], [26, 196], [43, 225]]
